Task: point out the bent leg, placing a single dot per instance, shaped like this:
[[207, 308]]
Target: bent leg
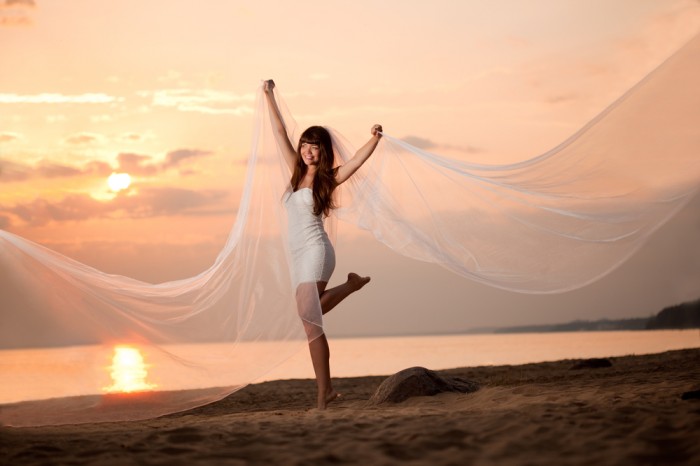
[[331, 298]]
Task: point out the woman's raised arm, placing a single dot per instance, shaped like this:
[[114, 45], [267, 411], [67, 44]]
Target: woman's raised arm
[[280, 132], [360, 157]]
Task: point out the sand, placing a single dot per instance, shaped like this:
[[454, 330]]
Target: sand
[[545, 414]]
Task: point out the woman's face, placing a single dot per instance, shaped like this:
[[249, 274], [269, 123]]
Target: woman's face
[[310, 153]]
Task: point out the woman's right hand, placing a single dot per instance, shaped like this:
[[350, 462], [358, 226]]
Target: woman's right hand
[[269, 85]]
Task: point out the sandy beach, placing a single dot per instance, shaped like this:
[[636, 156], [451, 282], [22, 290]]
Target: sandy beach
[[546, 413]]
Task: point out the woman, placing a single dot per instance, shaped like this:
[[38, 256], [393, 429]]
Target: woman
[[309, 199]]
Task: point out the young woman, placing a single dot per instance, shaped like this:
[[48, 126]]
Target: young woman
[[310, 199]]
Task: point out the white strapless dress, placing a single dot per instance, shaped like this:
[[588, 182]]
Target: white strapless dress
[[313, 257]]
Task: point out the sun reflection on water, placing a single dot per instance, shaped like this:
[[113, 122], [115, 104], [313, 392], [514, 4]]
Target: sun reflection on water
[[128, 371]]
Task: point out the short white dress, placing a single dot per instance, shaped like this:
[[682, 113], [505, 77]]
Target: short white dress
[[313, 257]]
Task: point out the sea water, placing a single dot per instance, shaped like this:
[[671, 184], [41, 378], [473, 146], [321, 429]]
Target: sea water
[[75, 370]]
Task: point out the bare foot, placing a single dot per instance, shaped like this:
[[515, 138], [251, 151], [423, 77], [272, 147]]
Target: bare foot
[[357, 282], [327, 398]]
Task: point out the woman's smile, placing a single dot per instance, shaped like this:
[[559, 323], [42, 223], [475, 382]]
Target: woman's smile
[[310, 153]]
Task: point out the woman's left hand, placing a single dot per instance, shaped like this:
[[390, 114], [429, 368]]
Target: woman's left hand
[[377, 130]]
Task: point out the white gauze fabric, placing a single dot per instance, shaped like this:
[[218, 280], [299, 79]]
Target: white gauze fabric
[[549, 224]]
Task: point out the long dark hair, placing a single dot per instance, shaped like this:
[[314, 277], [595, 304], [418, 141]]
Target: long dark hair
[[324, 181]]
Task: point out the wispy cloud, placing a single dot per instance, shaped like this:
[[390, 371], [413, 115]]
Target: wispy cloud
[[202, 101], [143, 165], [134, 164], [15, 13], [84, 138], [173, 159], [9, 137], [12, 171], [42, 211], [132, 137], [147, 203], [24, 3], [56, 98], [567, 97], [427, 144], [154, 202], [47, 169], [55, 118]]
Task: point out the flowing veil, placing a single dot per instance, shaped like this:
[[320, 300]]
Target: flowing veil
[[549, 224]]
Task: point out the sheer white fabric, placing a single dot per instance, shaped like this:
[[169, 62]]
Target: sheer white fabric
[[554, 222], [548, 224]]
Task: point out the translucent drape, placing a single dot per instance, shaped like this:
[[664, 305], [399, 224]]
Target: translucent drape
[[554, 222], [548, 224], [223, 328]]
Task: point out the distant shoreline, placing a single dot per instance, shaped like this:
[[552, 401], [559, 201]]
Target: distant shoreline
[[685, 316], [679, 317]]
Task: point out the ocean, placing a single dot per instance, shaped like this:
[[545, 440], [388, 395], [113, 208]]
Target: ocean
[[92, 369]]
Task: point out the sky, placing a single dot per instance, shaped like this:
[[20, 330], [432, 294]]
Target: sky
[[164, 91]]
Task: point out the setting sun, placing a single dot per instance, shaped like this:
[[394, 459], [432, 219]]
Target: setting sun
[[118, 181], [128, 371]]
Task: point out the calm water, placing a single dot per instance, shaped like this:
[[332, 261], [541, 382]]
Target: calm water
[[380, 356], [87, 370]]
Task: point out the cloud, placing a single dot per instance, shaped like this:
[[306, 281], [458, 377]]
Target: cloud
[[427, 144], [136, 164], [563, 98], [41, 211], [54, 170], [15, 13], [147, 203], [173, 159], [172, 78], [25, 3], [55, 118], [97, 167], [131, 137], [9, 137], [55, 98], [420, 142], [101, 118], [12, 171], [207, 101], [153, 202], [84, 138], [4, 222]]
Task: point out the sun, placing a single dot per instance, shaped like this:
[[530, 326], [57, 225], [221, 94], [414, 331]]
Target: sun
[[118, 181], [128, 371]]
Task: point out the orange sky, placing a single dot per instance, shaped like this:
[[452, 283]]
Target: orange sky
[[163, 90]]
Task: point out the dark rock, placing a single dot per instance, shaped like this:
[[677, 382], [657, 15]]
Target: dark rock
[[593, 363], [419, 381], [691, 395]]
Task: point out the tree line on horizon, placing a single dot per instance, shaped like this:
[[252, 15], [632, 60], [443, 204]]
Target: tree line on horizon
[[677, 317]]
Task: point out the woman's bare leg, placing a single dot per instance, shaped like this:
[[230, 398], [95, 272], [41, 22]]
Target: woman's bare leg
[[331, 298], [320, 358], [318, 347]]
